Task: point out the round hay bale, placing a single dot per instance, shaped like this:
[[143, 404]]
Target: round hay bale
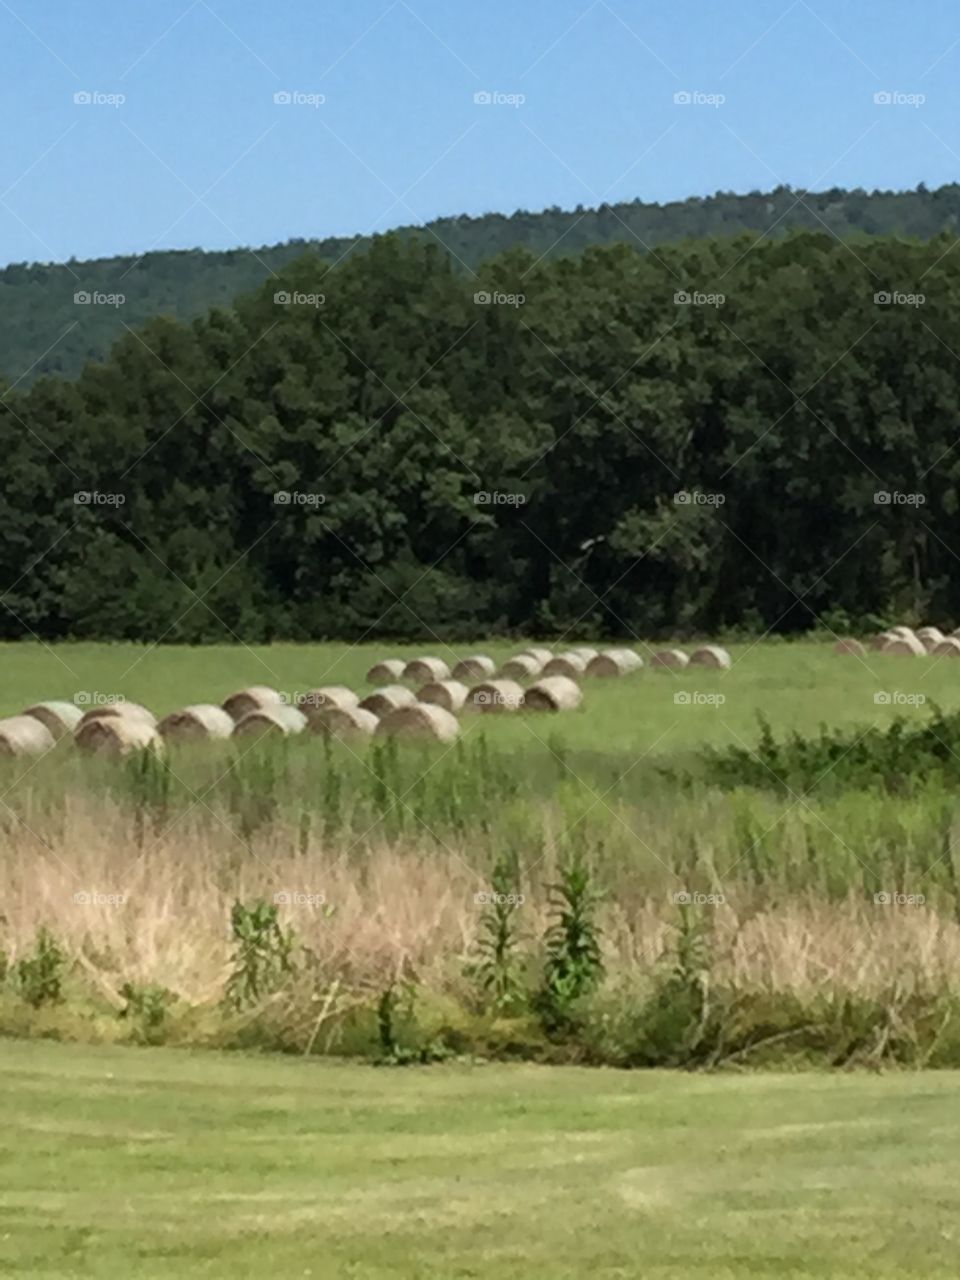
[[422, 720], [117, 736], [386, 671], [711, 655], [570, 664], [930, 637], [201, 720], [389, 698], [279, 721], [586, 653], [949, 647], [669, 660], [525, 666], [494, 697], [877, 643], [542, 656], [244, 701], [449, 694], [906, 646], [343, 723], [423, 670], [61, 718], [851, 646], [477, 667], [553, 693], [114, 710], [328, 695], [903, 633], [25, 736], [614, 662]]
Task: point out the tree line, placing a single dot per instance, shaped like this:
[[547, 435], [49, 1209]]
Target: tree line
[[43, 330], [724, 433]]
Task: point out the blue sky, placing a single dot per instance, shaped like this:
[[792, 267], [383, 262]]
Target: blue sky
[[200, 154]]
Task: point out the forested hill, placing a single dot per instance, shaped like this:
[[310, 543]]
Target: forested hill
[[43, 330], [718, 435]]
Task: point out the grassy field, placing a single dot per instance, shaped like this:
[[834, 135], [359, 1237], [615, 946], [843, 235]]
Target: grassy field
[[119, 1163], [798, 685], [826, 914]]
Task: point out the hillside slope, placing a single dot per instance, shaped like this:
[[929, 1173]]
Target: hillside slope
[[43, 329]]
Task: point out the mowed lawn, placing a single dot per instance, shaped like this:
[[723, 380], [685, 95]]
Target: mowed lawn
[[797, 686], [160, 1163]]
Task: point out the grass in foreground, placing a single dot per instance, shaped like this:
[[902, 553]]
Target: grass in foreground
[[119, 1163]]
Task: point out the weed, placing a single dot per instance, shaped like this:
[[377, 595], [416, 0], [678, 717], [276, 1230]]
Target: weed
[[264, 954]]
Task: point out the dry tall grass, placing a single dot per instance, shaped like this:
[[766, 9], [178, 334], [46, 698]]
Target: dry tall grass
[[160, 915]]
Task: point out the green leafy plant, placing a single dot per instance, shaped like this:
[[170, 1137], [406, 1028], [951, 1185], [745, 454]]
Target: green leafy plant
[[498, 967], [574, 965], [39, 975], [264, 954], [147, 1007]]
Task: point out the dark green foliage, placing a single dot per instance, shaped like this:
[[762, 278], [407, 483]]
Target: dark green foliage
[[401, 399], [36, 300], [899, 759], [264, 955], [39, 975]]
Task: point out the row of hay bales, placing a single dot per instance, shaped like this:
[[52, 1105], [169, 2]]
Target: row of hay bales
[[119, 728], [536, 663], [905, 642], [393, 709]]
